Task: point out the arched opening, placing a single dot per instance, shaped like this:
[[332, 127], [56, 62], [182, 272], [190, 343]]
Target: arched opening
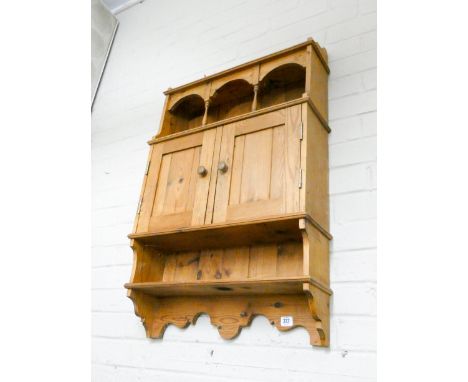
[[285, 83], [187, 113], [231, 99]]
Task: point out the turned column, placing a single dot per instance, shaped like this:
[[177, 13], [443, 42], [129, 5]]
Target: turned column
[[205, 116], [254, 102]]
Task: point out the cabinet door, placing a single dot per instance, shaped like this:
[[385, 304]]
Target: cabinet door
[[261, 176], [176, 194]]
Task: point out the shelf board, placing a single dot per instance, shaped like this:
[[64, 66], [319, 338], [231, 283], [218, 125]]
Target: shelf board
[[285, 285], [263, 231]]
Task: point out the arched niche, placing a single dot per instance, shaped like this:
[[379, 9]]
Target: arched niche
[[186, 113], [231, 99], [282, 84]]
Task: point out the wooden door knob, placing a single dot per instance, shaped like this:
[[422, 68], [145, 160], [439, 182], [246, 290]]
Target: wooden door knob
[[202, 171], [222, 166]]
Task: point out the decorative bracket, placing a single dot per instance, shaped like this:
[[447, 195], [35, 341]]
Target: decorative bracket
[[232, 313]]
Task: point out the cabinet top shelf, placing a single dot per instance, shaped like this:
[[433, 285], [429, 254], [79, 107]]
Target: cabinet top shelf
[[278, 78], [321, 53]]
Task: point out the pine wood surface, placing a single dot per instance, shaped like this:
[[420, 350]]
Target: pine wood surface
[[233, 215], [284, 285], [230, 314], [320, 52], [254, 113], [275, 229]]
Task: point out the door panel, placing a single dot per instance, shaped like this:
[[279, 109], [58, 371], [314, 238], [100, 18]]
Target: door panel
[[263, 159], [255, 173], [175, 194], [176, 182]]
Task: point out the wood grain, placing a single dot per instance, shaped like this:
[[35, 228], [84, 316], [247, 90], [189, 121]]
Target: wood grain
[[314, 158], [263, 156], [212, 286], [229, 314], [255, 231], [233, 218]]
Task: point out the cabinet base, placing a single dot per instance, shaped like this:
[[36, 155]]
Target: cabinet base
[[231, 313]]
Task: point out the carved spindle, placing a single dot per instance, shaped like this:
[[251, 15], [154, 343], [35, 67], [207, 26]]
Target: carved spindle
[[254, 102], [205, 116]]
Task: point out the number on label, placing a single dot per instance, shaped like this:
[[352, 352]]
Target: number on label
[[287, 321]]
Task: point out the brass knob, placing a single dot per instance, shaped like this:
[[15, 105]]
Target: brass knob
[[222, 166], [202, 171]]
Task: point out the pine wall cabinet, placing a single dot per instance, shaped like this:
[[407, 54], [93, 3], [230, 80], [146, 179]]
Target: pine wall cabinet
[[233, 213]]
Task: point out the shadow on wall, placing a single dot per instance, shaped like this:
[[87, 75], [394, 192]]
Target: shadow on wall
[[259, 332]]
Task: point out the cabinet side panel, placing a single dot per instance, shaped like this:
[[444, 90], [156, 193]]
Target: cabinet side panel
[[318, 84], [148, 264], [164, 122], [142, 191], [315, 165], [317, 248]]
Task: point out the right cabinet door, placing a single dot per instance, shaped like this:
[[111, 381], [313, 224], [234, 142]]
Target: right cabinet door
[[259, 167]]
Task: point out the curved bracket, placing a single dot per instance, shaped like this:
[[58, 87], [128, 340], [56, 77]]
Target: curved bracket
[[232, 313]]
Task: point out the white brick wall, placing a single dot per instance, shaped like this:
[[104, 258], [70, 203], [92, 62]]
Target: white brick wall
[[162, 43]]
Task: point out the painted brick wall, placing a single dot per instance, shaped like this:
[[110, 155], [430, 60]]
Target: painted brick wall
[[162, 43]]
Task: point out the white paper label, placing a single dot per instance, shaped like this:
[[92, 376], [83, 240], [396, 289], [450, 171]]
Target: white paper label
[[287, 321]]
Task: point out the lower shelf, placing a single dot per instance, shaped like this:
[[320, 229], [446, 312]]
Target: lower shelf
[[224, 287], [233, 272]]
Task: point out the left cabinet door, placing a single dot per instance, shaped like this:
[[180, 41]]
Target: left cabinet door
[[178, 183]]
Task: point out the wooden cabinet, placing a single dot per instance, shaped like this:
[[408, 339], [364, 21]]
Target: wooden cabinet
[[233, 214]]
